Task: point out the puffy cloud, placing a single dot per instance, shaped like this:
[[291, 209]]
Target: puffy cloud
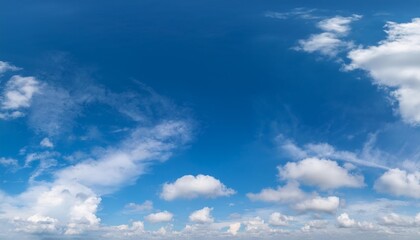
[[314, 224], [5, 66], [338, 24], [17, 95], [345, 221], [190, 187], [278, 219], [36, 224], [123, 231], [311, 171], [164, 216], [46, 142], [257, 225], [202, 216], [73, 196], [329, 42], [393, 63], [319, 204], [134, 207], [288, 193], [234, 228], [399, 183]]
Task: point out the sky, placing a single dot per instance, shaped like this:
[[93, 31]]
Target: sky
[[161, 119]]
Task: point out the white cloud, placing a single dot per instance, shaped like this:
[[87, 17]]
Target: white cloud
[[326, 43], [190, 187], [17, 95], [202, 216], [123, 231], [368, 156], [5, 66], [288, 193], [278, 219], [73, 197], [393, 63], [339, 24], [256, 225], [234, 228], [399, 183], [46, 142], [394, 219], [319, 204], [121, 165], [345, 221], [164, 216], [134, 207], [314, 224], [8, 162], [36, 224], [312, 171], [329, 42]]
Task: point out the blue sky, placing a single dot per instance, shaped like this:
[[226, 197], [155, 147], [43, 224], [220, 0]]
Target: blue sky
[[209, 119]]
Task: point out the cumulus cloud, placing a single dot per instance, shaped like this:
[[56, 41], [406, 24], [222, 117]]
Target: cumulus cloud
[[17, 95], [311, 171], [234, 228], [164, 216], [190, 187], [36, 224], [288, 193], [393, 64], [329, 42], [202, 216], [344, 221], [314, 224], [278, 219], [319, 204], [399, 183], [68, 200]]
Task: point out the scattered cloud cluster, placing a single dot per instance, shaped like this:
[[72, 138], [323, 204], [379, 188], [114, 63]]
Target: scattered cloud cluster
[[329, 42]]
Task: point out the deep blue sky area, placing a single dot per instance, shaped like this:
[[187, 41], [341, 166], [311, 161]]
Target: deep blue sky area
[[97, 135]]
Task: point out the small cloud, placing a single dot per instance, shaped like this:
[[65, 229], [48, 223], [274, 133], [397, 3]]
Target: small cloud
[[202, 216], [5, 67], [190, 187], [164, 216], [46, 143], [143, 207]]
